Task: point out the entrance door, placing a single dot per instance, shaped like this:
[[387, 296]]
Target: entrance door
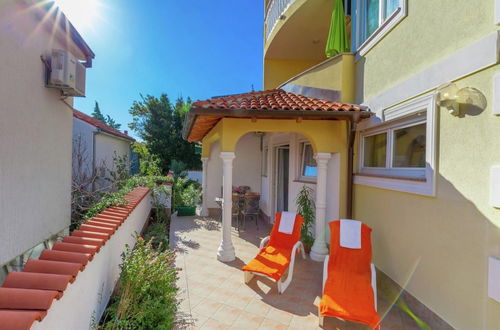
[[281, 181]]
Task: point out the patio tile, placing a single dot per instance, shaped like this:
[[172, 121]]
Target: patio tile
[[215, 296], [258, 307], [207, 307], [198, 320], [226, 314], [248, 321], [269, 324], [279, 316], [212, 324], [304, 322]]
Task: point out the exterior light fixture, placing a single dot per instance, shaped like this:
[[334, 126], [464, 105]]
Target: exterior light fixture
[[452, 98], [448, 97]]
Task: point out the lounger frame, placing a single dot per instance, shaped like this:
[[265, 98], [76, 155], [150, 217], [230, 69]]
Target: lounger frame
[[282, 284], [325, 276]]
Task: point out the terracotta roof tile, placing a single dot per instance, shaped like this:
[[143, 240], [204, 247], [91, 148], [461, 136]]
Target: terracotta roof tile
[[19, 319], [91, 234], [72, 247], [274, 99], [104, 224], [65, 256], [25, 280], [97, 242], [108, 221], [13, 298], [25, 296], [52, 267], [275, 103], [99, 124]]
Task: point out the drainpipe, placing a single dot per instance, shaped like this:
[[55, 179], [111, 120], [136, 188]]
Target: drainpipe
[[353, 123]]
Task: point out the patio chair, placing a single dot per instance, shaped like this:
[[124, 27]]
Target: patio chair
[[251, 208], [349, 278], [277, 251], [235, 209]]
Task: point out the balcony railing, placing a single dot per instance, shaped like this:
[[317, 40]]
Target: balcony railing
[[275, 9]]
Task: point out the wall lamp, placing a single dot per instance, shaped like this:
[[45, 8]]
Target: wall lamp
[[453, 98]]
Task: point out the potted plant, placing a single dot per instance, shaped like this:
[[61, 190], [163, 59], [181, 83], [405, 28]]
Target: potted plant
[[187, 200], [306, 208]]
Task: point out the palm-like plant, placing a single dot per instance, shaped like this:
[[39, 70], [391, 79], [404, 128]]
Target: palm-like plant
[[306, 208]]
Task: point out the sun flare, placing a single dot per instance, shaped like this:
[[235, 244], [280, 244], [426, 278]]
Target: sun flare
[[82, 13]]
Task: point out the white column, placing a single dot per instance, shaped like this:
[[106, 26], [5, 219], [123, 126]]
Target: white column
[[204, 208], [319, 249], [226, 249]]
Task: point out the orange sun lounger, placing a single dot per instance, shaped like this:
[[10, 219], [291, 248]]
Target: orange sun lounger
[[349, 279], [278, 256]]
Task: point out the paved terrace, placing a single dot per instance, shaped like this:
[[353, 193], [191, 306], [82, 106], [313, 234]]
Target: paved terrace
[[214, 296]]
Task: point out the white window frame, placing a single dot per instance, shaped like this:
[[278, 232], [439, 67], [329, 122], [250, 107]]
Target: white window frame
[[362, 44], [302, 149], [413, 180]]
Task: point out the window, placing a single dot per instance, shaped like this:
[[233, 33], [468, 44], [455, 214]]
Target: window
[[264, 161], [308, 169], [374, 18], [400, 153], [398, 150], [375, 150]]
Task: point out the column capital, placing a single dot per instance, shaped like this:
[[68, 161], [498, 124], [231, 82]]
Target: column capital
[[204, 159], [319, 156], [227, 155]]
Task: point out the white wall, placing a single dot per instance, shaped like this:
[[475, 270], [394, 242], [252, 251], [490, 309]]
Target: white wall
[[214, 176], [246, 165], [35, 138], [273, 140], [85, 300], [83, 135], [105, 148]]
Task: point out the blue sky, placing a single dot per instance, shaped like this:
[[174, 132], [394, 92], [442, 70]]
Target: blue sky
[[195, 48]]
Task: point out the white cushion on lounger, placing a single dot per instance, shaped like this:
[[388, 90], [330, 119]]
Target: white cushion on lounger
[[287, 222], [350, 234]]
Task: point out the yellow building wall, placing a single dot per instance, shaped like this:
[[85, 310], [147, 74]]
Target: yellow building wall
[[325, 136], [276, 72], [335, 74], [431, 31], [445, 239]]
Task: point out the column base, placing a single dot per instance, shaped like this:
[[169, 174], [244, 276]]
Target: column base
[[204, 212], [318, 253], [226, 253]]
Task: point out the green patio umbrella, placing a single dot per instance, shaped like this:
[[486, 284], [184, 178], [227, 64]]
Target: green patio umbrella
[[337, 36]]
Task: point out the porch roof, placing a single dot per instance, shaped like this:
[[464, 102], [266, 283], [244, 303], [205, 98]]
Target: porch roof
[[268, 104]]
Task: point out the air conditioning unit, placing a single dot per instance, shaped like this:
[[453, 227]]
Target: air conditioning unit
[[67, 73]]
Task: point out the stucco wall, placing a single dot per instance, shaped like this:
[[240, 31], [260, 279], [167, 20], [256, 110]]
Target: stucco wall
[[85, 300], [438, 246], [35, 139], [106, 147], [214, 176], [83, 144]]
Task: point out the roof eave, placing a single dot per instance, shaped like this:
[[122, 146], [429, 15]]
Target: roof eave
[[256, 113]]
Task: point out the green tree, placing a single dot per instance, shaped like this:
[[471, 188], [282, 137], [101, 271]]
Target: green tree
[[159, 123], [111, 122], [97, 114]]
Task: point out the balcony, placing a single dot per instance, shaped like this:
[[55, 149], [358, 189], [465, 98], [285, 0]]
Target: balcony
[[336, 73], [296, 32]]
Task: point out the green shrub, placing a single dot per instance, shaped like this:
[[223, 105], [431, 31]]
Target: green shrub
[[157, 235], [306, 208], [117, 198], [186, 192], [147, 290]]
